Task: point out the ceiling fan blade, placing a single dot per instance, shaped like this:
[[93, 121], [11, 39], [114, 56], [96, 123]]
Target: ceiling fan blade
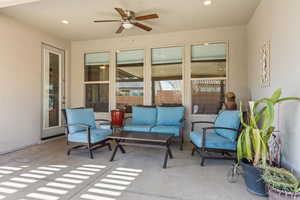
[[142, 26], [120, 29], [145, 17], [121, 12], [97, 21]]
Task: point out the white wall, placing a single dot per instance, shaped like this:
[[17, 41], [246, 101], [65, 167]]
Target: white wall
[[279, 22], [20, 83], [236, 36]]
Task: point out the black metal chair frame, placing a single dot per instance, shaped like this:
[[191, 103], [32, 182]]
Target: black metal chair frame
[[81, 145], [226, 154]]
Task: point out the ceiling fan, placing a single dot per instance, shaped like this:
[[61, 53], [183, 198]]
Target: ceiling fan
[[129, 20]]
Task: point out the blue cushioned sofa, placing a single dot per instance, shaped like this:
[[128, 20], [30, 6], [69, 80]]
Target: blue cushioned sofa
[[157, 120]]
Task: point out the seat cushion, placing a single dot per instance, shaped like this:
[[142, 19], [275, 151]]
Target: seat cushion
[[213, 140], [84, 116], [169, 116], [166, 129], [228, 119], [137, 128], [143, 115], [97, 135]]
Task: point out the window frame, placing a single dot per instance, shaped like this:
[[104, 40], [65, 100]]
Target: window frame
[[85, 83], [226, 78], [115, 65], [186, 82], [183, 66]]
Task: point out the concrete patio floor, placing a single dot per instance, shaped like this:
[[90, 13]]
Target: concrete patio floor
[[45, 172]]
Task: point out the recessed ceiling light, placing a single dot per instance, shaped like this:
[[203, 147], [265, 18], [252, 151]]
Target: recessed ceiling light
[[207, 2], [65, 21]]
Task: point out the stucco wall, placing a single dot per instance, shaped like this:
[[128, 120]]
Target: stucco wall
[[279, 22], [21, 82]]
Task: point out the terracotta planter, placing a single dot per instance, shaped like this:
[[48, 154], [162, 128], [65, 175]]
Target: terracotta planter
[[275, 194]]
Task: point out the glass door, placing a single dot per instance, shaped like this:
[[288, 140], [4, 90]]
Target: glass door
[[53, 91]]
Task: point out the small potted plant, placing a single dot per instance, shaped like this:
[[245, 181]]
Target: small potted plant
[[252, 147], [282, 184]]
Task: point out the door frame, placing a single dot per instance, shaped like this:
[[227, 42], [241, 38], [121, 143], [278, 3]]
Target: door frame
[[62, 91]]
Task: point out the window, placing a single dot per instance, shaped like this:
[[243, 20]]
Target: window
[[166, 75], [130, 79], [96, 77], [208, 75], [96, 67], [97, 97], [207, 96]]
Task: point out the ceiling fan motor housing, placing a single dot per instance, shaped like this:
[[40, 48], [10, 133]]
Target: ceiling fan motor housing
[[130, 15]]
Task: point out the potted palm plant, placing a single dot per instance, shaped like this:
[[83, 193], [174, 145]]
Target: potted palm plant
[[283, 185], [252, 147]]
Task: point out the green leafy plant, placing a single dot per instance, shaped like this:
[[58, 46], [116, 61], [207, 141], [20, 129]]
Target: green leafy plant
[[281, 179], [257, 130]]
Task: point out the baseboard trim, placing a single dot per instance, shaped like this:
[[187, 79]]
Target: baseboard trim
[[18, 148], [41, 141], [54, 136]]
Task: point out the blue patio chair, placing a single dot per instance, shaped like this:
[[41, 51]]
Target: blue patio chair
[[81, 130], [221, 137]]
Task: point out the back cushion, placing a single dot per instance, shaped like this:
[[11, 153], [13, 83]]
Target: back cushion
[[84, 116], [170, 116], [143, 115], [228, 119]]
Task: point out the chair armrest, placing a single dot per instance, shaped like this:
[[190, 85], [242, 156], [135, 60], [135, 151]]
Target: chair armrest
[[87, 126], [79, 124], [231, 129], [102, 120], [200, 122]]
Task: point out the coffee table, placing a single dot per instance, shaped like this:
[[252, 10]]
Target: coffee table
[[142, 139]]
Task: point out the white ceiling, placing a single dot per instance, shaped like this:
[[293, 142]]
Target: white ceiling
[[175, 15], [7, 3]]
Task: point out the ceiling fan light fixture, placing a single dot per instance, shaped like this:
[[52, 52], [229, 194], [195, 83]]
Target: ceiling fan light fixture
[[127, 25], [65, 21], [207, 2], [102, 67]]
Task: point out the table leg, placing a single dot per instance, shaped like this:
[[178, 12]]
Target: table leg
[[166, 158], [121, 147], [169, 151], [114, 153]]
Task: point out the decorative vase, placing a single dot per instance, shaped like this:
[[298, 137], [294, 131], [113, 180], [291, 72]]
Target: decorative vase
[[117, 117]]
